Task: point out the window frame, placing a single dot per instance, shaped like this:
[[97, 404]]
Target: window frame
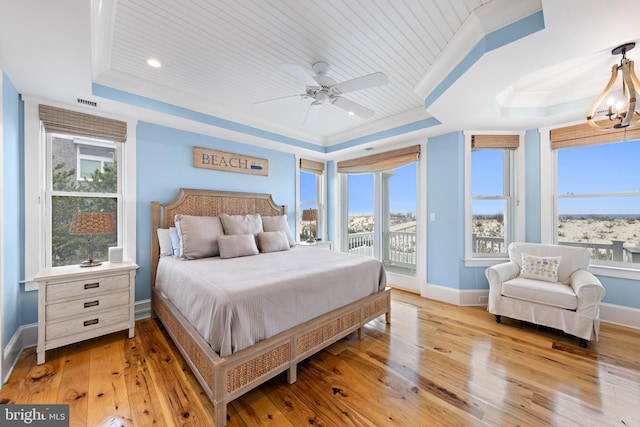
[[50, 192], [549, 209], [513, 173], [320, 204]]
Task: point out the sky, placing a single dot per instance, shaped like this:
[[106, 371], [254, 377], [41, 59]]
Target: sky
[[606, 168]]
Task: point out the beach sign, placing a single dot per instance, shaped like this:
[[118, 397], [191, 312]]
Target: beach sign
[[229, 162]]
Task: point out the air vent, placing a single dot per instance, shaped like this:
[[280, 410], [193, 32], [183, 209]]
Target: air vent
[[86, 102]]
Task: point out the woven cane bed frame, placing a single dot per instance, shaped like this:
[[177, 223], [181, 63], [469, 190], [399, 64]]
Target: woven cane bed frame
[[226, 378]]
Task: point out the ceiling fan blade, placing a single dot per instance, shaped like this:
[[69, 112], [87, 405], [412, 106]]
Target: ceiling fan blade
[[301, 96], [312, 113], [302, 75], [352, 107], [364, 82]]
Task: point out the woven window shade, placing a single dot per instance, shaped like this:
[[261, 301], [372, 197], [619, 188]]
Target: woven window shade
[[382, 161], [312, 166], [496, 142], [584, 134], [58, 120]]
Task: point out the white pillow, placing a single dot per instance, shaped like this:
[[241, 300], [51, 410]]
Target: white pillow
[[273, 241], [198, 235], [241, 224], [278, 223], [237, 245], [164, 239], [540, 268]]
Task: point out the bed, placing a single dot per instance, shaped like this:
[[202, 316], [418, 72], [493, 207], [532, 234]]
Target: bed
[[245, 366]]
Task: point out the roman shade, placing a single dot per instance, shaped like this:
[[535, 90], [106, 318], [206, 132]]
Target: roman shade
[[495, 142], [312, 166], [583, 134], [381, 161], [59, 120]]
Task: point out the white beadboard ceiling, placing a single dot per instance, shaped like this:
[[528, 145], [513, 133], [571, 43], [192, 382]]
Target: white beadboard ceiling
[[221, 57]]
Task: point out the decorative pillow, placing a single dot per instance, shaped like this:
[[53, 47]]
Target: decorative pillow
[[273, 241], [175, 242], [241, 224], [237, 245], [278, 223], [198, 235], [164, 239], [541, 268]]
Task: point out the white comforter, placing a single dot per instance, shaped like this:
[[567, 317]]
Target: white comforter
[[234, 303]]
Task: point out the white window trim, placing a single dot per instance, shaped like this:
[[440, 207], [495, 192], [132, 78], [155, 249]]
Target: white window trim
[[518, 209], [35, 186], [549, 209]]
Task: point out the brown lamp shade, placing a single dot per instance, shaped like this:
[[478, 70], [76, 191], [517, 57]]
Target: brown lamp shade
[[92, 223], [310, 214]]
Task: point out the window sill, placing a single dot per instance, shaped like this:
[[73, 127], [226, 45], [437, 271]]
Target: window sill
[[483, 262], [615, 271]]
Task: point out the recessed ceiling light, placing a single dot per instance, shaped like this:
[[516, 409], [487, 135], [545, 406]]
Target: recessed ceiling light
[[153, 62], [351, 113]]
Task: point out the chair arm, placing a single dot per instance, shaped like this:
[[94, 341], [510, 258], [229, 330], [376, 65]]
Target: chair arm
[[499, 273], [588, 289]]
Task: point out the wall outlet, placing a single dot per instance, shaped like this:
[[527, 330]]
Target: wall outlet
[[483, 299]]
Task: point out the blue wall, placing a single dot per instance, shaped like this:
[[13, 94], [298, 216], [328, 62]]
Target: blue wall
[[445, 199], [12, 215], [164, 164]]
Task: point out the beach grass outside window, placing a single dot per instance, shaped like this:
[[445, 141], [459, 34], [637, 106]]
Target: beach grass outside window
[[492, 203], [597, 200]]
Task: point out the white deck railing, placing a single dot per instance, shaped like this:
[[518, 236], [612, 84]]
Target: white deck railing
[[401, 249]]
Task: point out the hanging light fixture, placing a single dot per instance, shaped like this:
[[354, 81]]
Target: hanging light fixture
[[620, 107]]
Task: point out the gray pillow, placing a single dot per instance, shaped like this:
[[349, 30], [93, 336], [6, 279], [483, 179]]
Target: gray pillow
[[237, 245], [241, 224], [164, 239], [273, 241], [198, 235], [278, 223]]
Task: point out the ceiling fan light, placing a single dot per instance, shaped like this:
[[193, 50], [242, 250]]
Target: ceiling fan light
[[620, 114], [153, 62]]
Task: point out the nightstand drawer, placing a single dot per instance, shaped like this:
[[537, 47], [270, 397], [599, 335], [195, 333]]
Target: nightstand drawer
[[87, 287], [83, 324], [87, 306]]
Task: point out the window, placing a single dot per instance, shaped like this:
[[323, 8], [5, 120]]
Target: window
[[597, 201], [492, 205], [82, 174], [94, 187], [311, 197]]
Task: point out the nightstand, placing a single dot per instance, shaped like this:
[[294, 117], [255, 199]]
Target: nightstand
[[322, 244], [75, 303]]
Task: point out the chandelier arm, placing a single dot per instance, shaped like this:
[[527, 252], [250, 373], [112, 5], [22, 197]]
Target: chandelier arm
[[636, 86], [599, 99], [627, 71]]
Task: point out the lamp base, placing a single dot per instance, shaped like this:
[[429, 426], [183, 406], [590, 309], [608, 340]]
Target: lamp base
[[310, 241], [91, 263]]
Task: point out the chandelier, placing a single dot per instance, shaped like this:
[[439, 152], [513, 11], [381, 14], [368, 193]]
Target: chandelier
[[620, 107]]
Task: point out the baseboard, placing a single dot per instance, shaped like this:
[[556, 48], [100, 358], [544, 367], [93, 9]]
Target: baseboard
[[25, 336], [620, 315], [609, 313], [142, 309]]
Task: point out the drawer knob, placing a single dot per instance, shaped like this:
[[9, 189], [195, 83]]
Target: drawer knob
[[90, 322], [92, 285], [91, 304]]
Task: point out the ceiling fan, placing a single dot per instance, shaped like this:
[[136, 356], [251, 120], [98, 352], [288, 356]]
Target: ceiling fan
[[322, 88]]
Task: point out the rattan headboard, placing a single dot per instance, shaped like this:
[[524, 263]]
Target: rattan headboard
[[206, 203]]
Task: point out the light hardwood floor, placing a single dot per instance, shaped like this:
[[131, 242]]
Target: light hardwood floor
[[435, 365]]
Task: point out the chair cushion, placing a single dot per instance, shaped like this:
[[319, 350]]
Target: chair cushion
[[547, 293]]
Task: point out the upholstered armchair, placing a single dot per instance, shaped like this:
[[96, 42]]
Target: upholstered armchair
[[547, 285]]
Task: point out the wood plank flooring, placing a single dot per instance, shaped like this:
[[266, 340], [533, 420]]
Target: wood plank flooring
[[434, 365]]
